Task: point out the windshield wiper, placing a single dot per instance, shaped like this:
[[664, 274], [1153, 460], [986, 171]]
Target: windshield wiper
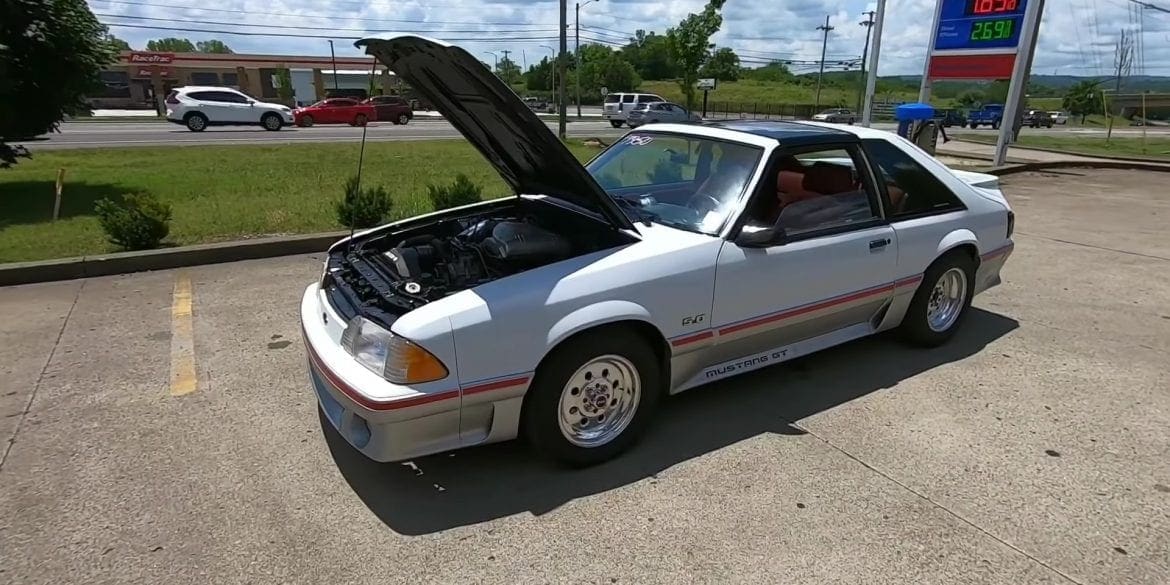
[[643, 215]]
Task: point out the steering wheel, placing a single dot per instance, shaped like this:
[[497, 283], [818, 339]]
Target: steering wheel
[[703, 203]]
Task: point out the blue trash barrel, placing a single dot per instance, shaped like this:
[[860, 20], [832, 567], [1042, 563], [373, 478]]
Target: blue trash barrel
[[907, 114]]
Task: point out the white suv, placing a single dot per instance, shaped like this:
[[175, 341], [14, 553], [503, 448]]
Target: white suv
[[618, 106], [200, 107]]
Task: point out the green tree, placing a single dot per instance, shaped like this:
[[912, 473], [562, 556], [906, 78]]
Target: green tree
[[774, 71], [723, 65], [970, 99], [170, 45], [540, 76], [615, 74], [508, 71], [996, 92], [286, 92], [1083, 99], [650, 56], [51, 55], [116, 43], [212, 46], [689, 43]]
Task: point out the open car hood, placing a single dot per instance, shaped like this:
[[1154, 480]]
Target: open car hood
[[530, 158]]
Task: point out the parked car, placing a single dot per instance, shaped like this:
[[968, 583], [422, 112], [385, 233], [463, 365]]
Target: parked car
[[655, 112], [948, 118], [988, 115], [335, 111], [391, 108], [617, 106], [540, 105], [567, 311], [836, 116], [1038, 119], [1059, 117], [198, 107]]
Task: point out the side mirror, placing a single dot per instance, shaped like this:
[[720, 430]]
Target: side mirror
[[251, 102], [760, 238]]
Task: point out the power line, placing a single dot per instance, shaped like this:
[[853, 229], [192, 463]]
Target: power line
[[323, 16], [306, 36]]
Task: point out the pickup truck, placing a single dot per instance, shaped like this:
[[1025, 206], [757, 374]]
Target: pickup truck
[[989, 115]]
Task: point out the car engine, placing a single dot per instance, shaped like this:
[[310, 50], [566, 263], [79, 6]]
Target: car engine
[[427, 267]]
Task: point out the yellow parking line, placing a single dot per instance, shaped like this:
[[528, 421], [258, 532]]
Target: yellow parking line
[[182, 339]]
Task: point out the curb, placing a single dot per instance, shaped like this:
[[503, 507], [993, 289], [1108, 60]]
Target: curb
[[1076, 164], [1144, 159], [128, 262]]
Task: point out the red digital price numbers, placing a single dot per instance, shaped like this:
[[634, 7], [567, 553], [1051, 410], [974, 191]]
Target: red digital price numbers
[[986, 7]]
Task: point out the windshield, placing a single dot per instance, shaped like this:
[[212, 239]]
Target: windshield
[[688, 182]]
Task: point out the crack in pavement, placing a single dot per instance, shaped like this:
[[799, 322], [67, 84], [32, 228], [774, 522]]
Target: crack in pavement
[[945, 509], [1096, 247], [40, 377]]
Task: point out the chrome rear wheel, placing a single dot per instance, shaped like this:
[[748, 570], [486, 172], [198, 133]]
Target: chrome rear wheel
[[946, 300]]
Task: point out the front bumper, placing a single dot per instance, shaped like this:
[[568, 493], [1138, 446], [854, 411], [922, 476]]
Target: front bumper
[[384, 421]]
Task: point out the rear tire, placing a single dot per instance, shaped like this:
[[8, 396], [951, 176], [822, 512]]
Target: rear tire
[[995, 125], [615, 123], [941, 302], [403, 119], [196, 122], [271, 122], [607, 377]]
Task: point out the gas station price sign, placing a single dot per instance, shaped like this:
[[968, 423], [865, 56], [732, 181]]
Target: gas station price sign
[[979, 24]]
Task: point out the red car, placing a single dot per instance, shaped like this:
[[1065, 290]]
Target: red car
[[392, 108], [335, 111]]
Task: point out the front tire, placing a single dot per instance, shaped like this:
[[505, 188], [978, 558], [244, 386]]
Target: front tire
[[592, 397], [271, 122], [196, 122], [360, 120], [941, 302], [306, 121], [615, 123]]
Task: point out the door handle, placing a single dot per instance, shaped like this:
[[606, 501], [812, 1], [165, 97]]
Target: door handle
[[877, 244]]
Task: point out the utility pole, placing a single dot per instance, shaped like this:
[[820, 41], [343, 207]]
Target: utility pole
[[505, 52], [561, 70], [868, 24], [871, 76], [577, 50], [333, 58], [824, 45]]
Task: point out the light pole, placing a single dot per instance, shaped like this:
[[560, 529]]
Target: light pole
[[495, 62], [552, 65], [577, 50], [868, 24]]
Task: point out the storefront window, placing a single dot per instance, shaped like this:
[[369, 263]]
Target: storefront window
[[115, 84], [231, 80], [203, 78]]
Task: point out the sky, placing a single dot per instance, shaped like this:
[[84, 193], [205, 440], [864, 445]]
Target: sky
[[1077, 37]]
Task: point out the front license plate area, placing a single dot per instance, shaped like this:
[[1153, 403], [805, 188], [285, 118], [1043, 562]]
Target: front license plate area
[[333, 409]]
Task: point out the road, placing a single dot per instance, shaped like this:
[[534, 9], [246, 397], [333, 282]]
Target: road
[[123, 134], [1032, 449]]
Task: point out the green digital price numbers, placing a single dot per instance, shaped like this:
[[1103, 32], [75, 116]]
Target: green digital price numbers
[[992, 30]]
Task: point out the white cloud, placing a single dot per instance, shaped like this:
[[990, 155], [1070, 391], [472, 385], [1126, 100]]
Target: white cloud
[[1076, 36]]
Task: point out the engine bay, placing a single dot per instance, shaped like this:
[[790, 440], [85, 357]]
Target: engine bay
[[393, 272], [430, 266]]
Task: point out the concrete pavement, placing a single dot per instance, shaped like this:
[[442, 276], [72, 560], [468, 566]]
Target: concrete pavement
[[1031, 449]]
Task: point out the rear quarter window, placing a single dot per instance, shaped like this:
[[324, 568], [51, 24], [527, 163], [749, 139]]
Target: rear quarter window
[[911, 190], [612, 98]]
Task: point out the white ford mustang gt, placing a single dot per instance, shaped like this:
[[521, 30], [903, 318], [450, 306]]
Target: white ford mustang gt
[[680, 255]]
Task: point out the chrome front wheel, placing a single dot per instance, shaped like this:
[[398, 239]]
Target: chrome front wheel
[[599, 401], [947, 299]]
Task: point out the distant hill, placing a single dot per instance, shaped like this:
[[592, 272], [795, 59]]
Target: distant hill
[[1059, 83]]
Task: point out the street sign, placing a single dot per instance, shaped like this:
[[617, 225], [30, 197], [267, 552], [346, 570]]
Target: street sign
[[604, 91], [706, 84]]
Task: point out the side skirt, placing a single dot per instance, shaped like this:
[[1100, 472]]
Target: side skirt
[[776, 355]]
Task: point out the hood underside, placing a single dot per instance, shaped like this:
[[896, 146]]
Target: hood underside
[[530, 158]]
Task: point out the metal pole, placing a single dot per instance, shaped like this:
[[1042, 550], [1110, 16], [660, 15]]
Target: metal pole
[[824, 45], [924, 90], [868, 24], [1145, 121], [333, 58], [577, 52], [871, 77], [1019, 79], [561, 70]]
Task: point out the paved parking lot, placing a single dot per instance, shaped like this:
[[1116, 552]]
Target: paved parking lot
[[1035, 448]]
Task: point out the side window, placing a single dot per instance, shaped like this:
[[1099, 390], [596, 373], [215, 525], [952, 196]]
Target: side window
[[910, 189], [813, 190], [628, 98]]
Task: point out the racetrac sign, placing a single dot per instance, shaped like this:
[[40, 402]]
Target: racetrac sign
[[976, 39], [142, 57]]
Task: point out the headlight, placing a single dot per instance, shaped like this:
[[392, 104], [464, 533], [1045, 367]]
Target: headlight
[[390, 356]]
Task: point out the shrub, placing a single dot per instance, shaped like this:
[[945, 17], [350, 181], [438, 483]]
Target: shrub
[[363, 208], [139, 222], [461, 192]]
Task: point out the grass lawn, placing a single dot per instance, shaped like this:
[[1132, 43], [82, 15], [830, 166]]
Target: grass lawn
[[747, 92], [1156, 147], [220, 193]]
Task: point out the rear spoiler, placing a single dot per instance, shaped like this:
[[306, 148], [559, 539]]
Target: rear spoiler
[[981, 180]]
